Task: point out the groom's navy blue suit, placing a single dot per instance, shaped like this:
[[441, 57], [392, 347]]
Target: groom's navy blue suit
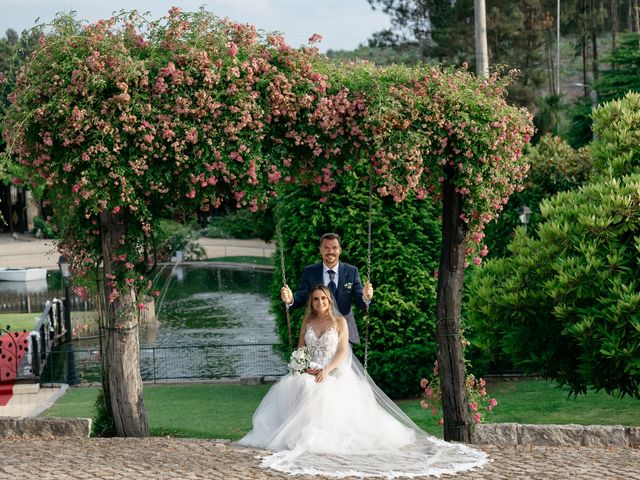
[[349, 290]]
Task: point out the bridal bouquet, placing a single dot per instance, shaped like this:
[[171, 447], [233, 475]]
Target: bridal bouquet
[[299, 360]]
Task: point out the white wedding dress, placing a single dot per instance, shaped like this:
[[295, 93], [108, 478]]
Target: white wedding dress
[[346, 426]]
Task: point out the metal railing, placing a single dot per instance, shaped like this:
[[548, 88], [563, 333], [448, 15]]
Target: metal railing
[[39, 342], [178, 363]]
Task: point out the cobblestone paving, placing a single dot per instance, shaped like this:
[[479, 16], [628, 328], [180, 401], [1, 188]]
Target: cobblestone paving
[[165, 458]]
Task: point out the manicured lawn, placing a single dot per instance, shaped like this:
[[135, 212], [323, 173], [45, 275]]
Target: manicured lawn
[[191, 411], [19, 321], [225, 411], [540, 401], [27, 321], [543, 402]]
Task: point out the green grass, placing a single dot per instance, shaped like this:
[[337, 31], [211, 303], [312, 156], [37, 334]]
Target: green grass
[[244, 259], [539, 401], [27, 321], [190, 411], [19, 321], [225, 411]]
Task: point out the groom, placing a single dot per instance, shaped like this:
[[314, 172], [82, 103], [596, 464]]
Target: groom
[[342, 279]]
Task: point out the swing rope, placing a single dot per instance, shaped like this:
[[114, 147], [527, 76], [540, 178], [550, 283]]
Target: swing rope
[[366, 315], [283, 272], [280, 245]]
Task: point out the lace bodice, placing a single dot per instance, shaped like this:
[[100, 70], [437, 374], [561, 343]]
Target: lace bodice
[[322, 348]]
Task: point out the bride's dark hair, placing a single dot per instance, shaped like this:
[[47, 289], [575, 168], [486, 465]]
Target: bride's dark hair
[[310, 312]]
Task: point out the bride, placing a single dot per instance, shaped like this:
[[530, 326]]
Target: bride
[[333, 420]]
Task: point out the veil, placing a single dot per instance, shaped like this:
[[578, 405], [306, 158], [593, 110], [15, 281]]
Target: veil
[[411, 453], [346, 426]]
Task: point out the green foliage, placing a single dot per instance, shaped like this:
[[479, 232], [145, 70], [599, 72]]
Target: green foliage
[[103, 422], [405, 251], [44, 227], [624, 74], [386, 55], [616, 126], [579, 132], [566, 303], [242, 224], [548, 119], [14, 50], [554, 167], [172, 236], [397, 371], [439, 32]]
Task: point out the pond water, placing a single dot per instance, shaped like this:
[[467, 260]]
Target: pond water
[[205, 304], [212, 323]]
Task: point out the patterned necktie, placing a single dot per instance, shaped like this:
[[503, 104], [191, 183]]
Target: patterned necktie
[[332, 283]]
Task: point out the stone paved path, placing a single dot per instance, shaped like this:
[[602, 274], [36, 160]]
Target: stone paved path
[[166, 458]]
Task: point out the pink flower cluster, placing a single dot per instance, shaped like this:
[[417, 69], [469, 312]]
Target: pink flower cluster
[[479, 402]]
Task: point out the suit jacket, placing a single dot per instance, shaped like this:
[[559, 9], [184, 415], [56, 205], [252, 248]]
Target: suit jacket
[[348, 291]]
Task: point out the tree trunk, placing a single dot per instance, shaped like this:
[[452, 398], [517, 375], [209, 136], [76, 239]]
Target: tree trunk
[[123, 346], [551, 68], [594, 40], [585, 76], [614, 25], [457, 426]]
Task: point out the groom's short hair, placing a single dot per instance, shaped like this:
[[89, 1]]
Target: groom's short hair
[[331, 236]]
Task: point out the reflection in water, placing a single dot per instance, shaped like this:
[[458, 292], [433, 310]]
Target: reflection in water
[[214, 305]]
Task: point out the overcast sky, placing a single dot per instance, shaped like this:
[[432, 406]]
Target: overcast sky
[[344, 24]]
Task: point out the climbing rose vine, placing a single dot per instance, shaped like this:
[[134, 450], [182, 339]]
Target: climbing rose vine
[[136, 118]]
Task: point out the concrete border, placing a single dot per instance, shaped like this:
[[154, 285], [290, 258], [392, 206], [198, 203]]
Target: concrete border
[[45, 427], [514, 434]]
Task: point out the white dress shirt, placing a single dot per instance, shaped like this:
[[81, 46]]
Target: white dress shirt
[[325, 274]]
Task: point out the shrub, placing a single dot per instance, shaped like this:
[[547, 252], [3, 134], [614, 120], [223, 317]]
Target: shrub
[[103, 422], [566, 304], [173, 236], [242, 224], [42, 226], [616, 126]]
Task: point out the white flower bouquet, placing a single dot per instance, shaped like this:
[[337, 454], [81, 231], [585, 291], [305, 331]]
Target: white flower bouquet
[[299, 360]]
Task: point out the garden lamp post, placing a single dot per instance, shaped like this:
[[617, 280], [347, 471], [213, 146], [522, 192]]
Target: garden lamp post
[[525, 214], [72, 378]]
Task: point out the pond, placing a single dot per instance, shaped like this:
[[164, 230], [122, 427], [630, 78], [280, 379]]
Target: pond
[[205, 304], [213, 323]]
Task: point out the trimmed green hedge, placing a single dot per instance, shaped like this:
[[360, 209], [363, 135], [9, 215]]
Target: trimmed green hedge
[[405, 252]]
